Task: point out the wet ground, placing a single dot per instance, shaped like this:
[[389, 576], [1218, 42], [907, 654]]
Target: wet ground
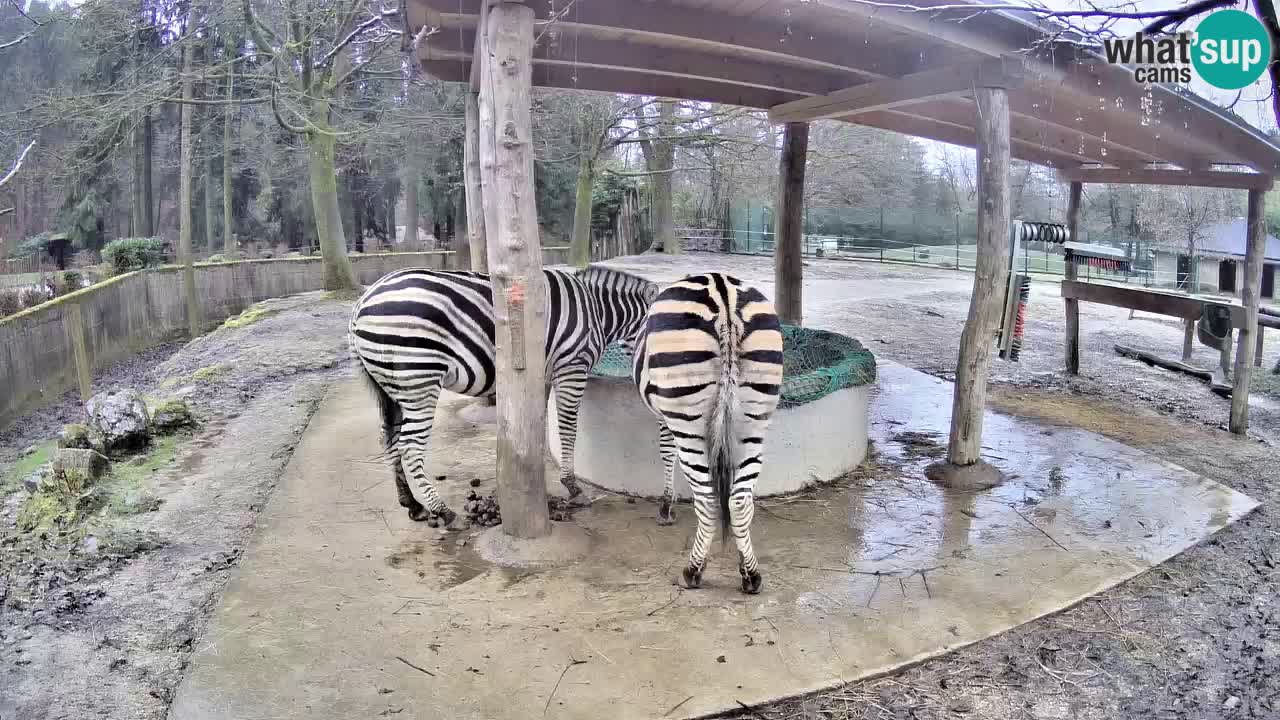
[[1195, 638], [879, 571]]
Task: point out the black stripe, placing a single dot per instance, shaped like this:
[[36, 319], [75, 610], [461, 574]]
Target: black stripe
[[773, 357], [679, 391], [682, 357]]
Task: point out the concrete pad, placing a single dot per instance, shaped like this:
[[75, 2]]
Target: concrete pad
[[343, 608]]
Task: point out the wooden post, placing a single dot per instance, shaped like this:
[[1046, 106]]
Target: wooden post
[[471, 181], [991, 269], [1249, 296], [788, 257], [73, 323], [515, 265], [1257, 348], [1069, 272], [1188, 337]]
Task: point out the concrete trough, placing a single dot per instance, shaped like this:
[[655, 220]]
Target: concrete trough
[[809, 442]]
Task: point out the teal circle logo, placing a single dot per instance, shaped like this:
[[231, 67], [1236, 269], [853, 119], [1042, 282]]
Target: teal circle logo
[[1232, 49]]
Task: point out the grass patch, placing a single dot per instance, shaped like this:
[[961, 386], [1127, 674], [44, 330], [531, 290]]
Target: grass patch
[[344, 295], [251, 315], [12, 479], [128, 486], [211, 372]]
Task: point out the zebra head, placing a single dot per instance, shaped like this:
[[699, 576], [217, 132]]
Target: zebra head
[[620, 300]]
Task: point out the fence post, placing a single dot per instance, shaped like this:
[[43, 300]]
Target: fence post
[[73, 324]]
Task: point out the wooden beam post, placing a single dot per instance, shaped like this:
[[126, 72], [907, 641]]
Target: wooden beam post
[[1249, 297], [515, 264], [471, 182], [1069, 270], [1257, 348], [788, 258], [992, 268], [1188, 338]]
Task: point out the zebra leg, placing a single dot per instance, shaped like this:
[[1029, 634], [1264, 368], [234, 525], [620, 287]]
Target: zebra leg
[[693, 461], [415, 433], [667, 448], [405, 494], [569, 389], [741, 510]]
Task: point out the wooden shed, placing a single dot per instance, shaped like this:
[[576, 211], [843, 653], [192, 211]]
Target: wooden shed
[[1004, 83]]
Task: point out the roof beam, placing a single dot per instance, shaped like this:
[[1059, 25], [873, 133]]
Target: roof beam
[[590, 52], [896, 92], [1161, 176], [908, 123]]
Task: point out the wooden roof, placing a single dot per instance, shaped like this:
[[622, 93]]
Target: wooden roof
[[906, 71]]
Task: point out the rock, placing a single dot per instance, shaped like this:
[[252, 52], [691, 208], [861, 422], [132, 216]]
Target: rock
[[77, 469], [32, 482], [266, 254], [118, 420], [74, 435], [30, 450], [217, 258], [171, 415]]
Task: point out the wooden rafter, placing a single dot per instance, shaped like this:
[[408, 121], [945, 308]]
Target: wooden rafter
[[912, 89], [1162, 176]]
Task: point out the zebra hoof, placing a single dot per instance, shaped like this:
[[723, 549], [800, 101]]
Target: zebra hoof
[[418, 513], [446, 518], [692, 578], [751, 584], [666, 514]]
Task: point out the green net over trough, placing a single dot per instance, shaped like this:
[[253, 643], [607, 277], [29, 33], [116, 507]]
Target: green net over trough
[[815, 363]]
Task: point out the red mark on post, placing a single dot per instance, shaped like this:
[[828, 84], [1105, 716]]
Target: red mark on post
[[515, 322]]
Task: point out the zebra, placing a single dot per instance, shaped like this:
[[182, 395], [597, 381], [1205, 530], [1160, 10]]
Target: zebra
[[417, 331], [708, 364]]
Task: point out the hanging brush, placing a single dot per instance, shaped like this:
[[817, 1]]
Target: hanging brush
[[1015, 343]]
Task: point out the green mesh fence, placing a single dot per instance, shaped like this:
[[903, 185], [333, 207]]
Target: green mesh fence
[[815, 363]]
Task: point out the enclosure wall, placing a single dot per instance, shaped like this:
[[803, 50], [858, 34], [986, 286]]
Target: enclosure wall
[[132, 312]]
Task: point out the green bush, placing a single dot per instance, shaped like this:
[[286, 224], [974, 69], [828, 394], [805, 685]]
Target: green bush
[[36, 244], [10, 302], [129, 254]]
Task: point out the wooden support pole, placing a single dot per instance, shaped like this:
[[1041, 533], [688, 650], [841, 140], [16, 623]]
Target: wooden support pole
[[1069, 270], [1257, 347], [992, 268], [515, 265], [1249, 297], [788, 258], [471, 182], [1188, 338]]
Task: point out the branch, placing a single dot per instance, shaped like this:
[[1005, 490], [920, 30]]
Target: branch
[[19, 39], [18, 6], [17, 165], [275, 110], [1186, 13], [1163, 17], [351, 36], [6, 211], [1267, 11]]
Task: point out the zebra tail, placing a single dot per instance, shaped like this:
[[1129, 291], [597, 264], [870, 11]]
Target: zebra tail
[[722, 444], [392, 416]]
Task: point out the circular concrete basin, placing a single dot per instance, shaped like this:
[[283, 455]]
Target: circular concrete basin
[[818, 433]]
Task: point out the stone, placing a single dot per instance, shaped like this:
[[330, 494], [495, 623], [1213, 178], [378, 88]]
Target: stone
[[31, 483], [74, 435], [76, 469], [171, 415], [118, 420], [30, 450]]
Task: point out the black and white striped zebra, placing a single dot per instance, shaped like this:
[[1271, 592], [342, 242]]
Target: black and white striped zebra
[[417, 331], [708, 363]]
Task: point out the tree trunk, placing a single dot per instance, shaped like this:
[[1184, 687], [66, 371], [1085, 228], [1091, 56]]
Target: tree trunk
[[184, 195], [210, 171], [580, 247], [411, 212], [338, 274], [965, 446], [148, 195], [471, 183], [788, 224], [228, 227], [515, 258]]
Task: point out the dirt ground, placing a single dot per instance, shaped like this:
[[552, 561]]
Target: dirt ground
[[93, 633]]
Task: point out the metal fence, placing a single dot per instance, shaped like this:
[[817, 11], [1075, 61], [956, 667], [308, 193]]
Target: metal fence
[[1036, 258]]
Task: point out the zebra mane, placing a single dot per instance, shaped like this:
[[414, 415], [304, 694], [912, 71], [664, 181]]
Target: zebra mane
[[599, 276]]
